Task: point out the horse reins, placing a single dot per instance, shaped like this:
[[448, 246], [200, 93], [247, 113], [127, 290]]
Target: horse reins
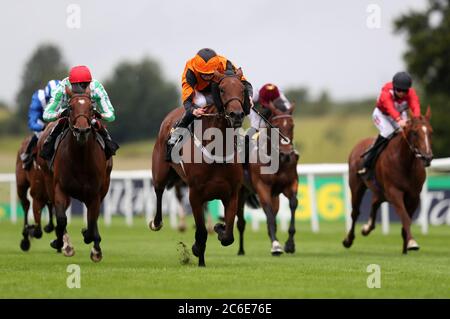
[[413, 149]]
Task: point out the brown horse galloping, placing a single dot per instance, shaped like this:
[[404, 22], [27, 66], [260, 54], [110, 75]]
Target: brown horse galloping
[[32, 179], [399, 176], [80, 171], [206, 181], [268, 187]]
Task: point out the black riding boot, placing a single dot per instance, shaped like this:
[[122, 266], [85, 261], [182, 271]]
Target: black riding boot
[[26, 156], [110, 146], [372, 154], [49, 145], [177, 132]]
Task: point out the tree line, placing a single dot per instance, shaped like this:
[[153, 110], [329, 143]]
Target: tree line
[[143, 96]]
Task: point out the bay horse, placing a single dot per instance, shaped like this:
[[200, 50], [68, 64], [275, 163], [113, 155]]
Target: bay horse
[[33, 180], [399, 174], [268, 187], [206, 181], [81, 171]]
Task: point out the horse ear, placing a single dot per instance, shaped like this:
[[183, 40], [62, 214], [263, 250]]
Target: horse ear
[[68, 91], [292, 109], [239, 72], [217, 76], [428, 113], [88, 90]]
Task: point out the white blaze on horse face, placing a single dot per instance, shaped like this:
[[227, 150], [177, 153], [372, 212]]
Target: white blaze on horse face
[[81, 101], [427, 144]]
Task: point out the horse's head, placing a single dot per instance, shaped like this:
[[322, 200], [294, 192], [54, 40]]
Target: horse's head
[[228, 93], [81, 112], [419, 133], [285, 123]]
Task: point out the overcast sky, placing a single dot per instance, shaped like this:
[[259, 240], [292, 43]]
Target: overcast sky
[[318, 44]]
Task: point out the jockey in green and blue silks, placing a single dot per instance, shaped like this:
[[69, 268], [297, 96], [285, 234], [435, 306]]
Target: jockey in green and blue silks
[[78, 81], [39, 101]]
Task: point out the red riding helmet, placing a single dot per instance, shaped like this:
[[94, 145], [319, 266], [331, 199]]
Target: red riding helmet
[[80, 74], [268, 93]]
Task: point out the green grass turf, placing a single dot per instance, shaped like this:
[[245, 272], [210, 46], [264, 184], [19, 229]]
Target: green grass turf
[[139, 263]]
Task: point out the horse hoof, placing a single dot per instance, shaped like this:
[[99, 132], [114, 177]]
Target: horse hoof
[[54, 244], [366, 230], [276, 250], [241, 253], [36, 233], [49, 228], [96, 256], [154, 227], [412, 245], [347, 243], [227, 241], [289, 247], [25, 244], [195, 250], [219, 228], [68, 251]]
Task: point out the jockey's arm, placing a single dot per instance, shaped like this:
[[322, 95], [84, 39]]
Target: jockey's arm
[[104, 106], [413, 102], [35, 114], [388, 103], [55, 105]]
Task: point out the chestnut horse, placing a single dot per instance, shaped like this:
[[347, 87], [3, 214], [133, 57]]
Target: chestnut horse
[[399, 174], [268, 187], [80, 171], [32, 179], [206, 181]]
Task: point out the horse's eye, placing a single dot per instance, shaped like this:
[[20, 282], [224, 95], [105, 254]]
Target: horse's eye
[[222, 91]]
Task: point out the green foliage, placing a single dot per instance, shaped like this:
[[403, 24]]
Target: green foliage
[[427, 57], [46, 63], [141, 97]]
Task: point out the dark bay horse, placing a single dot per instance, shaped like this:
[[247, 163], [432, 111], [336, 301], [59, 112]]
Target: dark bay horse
[[80, 171], [33, 180], [399, 177], [268, 187], [206, 181]]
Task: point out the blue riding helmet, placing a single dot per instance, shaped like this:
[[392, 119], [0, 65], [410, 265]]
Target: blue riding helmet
[[51, 85]]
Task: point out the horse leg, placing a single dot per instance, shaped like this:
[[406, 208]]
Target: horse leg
[[50, 226], [22, 190], [156, 224], [201, 234], [62, 241], [241, 221], [289, 246], [397, 200], [38, 204], [357, 188], [367, 228], [411, 206], [225, 232], [91, 234]]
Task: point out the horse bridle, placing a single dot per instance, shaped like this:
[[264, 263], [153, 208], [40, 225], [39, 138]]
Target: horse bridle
[[71, 127], [417, 153], [287, 140]]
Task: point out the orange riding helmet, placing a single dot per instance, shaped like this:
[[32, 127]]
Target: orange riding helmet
[[206, 61]]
